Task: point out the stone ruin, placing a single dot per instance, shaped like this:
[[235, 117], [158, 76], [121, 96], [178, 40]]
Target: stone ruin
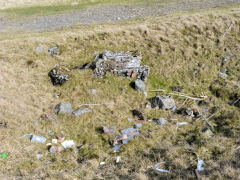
[[127, 64]]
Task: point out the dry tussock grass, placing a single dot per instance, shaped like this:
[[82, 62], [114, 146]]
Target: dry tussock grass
[[174, 46]]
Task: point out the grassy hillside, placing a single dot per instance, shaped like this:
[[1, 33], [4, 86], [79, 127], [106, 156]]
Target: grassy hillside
[[184, 49]]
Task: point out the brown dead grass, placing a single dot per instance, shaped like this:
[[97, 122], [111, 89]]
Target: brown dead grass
[[173, 46]]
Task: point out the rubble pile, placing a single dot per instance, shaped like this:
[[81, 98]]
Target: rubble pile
[[59, 75], [127, 64]]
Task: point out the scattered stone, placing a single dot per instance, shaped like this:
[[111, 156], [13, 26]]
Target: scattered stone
[[194, 113], [223, 74], [174, 108], [161, 121], [59, 75], [163, 102], [127, 64], [79, 112], [54, 51], [226, 58], [138, 115], [38, 139], [109, 130], [186, 112], [63, 108], [139, 85], [39, 49]]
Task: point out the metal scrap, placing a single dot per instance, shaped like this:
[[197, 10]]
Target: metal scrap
[[127, 134], [156, 167]]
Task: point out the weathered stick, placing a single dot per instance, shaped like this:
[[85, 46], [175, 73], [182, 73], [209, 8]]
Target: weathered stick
[[158, 90], [227, 31], [211, 116], [186, 96], [183, 103], [204, 116], [95, 104], [197, 174], [181, 94], [237, 148], [236, 101]]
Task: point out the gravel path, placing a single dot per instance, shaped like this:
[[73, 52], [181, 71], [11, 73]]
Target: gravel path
[[107, 14]]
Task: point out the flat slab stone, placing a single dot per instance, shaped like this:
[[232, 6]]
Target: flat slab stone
[[63, 108], [79, 112], [163, 102]]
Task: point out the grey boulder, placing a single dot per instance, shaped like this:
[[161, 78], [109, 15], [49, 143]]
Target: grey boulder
[[139, 85], [161, 121], [163, 102], [63, 108], [79, 112]]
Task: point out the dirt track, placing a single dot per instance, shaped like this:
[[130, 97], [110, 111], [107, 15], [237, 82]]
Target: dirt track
[[107, 14]]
